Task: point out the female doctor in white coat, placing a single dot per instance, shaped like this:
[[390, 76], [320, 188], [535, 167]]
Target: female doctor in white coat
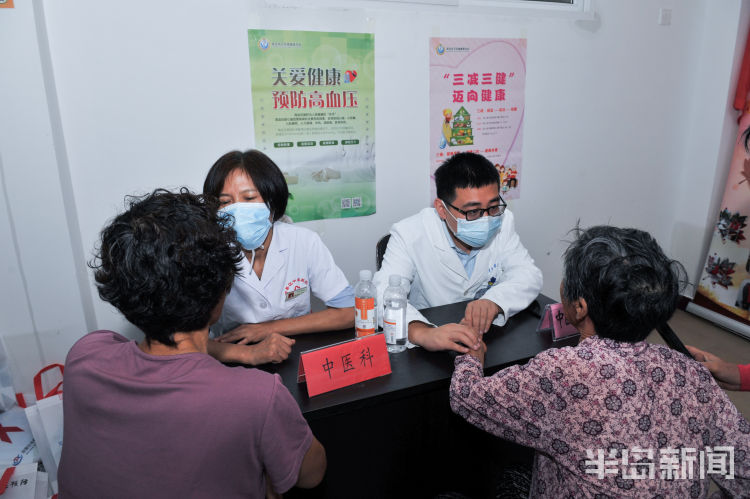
[[270, 298]]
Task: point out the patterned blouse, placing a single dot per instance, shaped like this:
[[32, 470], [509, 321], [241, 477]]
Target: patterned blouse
[[611, 419]]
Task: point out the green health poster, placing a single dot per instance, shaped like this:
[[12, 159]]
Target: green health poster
[[313, 108]]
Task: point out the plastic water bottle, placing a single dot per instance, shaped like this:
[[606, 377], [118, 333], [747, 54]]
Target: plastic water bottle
[[365, 306], [394, 316]]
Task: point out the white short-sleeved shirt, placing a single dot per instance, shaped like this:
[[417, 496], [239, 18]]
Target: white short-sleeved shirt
[[297, 263]]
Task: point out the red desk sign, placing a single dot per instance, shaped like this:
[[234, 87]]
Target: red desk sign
[[343, 364], [553, 318]]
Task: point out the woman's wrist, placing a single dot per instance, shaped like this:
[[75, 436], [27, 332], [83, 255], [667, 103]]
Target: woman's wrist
[[275, 326], [249, 355]]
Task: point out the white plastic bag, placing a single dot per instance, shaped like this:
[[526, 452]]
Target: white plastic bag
[[24, 369], [42, 486], [24, 483], [46, 422], [17, 444], [51, 412]]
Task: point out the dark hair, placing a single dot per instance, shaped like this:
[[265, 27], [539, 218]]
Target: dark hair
[[629, 284], [166, 262], [462, 170], [266, 176]]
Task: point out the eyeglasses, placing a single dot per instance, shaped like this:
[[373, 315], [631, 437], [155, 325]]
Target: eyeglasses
[[493, 211]]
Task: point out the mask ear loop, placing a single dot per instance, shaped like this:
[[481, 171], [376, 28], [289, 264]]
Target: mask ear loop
[[446, 209], [252, 259], [446, 220]]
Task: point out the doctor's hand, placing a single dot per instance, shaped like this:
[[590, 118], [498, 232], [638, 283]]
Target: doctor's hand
[[726, 374], [458, 337], [246, 333], [274, 348], [480, 314]]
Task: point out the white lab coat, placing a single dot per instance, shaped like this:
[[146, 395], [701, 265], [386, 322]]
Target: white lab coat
[[419, 251], [297, 263]]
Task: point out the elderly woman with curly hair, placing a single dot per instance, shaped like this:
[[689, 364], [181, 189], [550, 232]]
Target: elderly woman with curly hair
[[613, 416], [137, 419]]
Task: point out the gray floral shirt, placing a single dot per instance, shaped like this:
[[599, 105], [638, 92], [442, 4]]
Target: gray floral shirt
[[603, 414]]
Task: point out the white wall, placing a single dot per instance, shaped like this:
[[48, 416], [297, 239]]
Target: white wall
[[44, 297], [627, 122]]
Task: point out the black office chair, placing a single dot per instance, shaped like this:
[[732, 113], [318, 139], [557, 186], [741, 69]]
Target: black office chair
[[380, 248]]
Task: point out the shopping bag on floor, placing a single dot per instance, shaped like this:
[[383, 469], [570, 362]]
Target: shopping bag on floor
[[45, 379], [42, 486], [24, 360], [22, 482], [17, 444], [51, 414], [46, 422]]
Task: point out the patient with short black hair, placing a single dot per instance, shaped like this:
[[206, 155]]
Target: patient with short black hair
[[139, 418], [608, 416]]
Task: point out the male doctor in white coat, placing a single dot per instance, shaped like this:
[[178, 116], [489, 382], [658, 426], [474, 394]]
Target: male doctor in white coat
[[465, 248]]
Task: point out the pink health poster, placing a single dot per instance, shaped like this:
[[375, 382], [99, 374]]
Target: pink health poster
[[477, 103]]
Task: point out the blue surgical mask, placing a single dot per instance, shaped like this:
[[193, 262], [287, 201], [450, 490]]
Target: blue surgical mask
[[476, 233], [251, 223]]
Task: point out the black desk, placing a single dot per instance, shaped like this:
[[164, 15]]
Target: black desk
[[395, 436]]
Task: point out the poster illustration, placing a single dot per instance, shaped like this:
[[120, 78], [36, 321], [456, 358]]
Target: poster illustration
[[313, 108], [477, 103], [725, 281]]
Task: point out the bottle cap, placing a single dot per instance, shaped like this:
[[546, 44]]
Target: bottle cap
[[365, 275], [394, 280]]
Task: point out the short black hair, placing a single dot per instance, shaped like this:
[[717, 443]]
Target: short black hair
[[465, 169], [166, 262], [629, 284], [266, 176]]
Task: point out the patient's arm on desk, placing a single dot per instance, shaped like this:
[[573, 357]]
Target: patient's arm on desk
[[456, 337], [324, 320], [313, 466], [275, 348]]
